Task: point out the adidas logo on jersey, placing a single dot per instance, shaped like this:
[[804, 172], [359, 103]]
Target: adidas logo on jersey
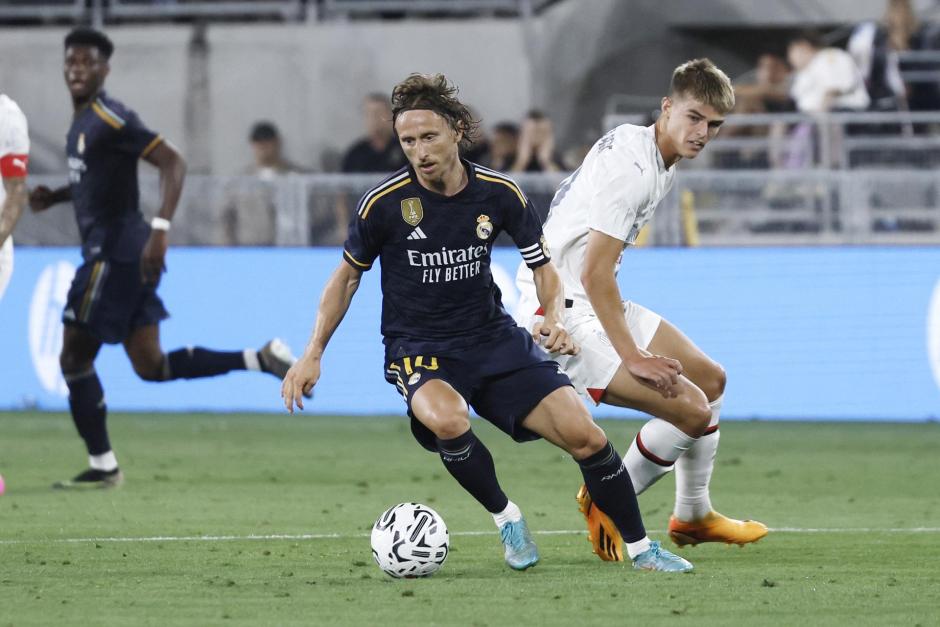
[[417, 234]]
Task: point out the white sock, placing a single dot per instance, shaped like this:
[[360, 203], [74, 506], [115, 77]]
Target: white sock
[[661, 441], [106, 461], [251, 360], [640, 546], [694, 471], [512, 513]]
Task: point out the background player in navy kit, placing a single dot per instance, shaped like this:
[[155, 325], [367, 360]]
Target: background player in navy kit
[[113, 297], [448, 341]]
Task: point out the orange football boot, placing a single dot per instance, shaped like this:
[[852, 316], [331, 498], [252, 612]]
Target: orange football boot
[[602, 532], [715, 527]]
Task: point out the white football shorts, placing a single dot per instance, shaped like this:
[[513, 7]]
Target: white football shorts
[[592, 369]]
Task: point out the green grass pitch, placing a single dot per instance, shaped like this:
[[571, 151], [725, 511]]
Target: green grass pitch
[[855, 510]]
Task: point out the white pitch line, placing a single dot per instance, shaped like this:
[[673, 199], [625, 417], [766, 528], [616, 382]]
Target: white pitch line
[[348, 536]]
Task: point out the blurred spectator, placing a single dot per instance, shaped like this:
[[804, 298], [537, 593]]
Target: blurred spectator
[[378, 151], [770, 91], [875, 46], [267, 150], [922, 95], [249, 215], [825, 79], [503, 145], [536, 151]]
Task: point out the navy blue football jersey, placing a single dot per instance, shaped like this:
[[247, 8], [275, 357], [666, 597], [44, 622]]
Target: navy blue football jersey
[[103, 145], [438, 292]]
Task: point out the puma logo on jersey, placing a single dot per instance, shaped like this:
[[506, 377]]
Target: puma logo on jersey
[[417, 234], [637, 164]]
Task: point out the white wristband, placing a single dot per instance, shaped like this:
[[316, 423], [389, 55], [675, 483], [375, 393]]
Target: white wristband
[[160, 224]]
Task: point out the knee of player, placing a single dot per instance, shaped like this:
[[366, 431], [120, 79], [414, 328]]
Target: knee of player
[[446, 423], [586, 440], [699, 414], [715, 385], [150, 368], [70, 363], [691, 414]]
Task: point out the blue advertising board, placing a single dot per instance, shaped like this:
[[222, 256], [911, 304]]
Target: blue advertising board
[[804, 333]]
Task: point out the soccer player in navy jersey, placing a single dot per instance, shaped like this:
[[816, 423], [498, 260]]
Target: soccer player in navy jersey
[[449, 343], [113, 298]]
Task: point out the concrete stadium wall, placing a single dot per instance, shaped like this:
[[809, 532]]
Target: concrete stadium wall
[[310, 78]]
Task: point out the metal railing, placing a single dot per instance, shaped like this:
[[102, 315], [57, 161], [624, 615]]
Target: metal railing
[[353, 8], [920, 66], [286, 10], [729, 208], [99, 12], [832, 141], [45, 10]]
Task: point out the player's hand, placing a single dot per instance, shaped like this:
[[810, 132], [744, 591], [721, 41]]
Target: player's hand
[[660, 373], [153, 257], [554, 337], [299, 380], [40, 198]]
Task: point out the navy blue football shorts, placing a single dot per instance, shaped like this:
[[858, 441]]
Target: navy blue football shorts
[[110, 300], [502, 380]]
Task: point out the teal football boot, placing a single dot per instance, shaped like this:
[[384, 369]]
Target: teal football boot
[[521, 552]]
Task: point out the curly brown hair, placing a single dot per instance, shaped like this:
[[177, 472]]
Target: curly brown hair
[[434, 92]]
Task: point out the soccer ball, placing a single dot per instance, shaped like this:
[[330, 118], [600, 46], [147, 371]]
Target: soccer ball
[[410, 540]]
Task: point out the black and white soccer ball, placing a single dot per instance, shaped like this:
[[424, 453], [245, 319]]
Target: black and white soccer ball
[[410, 540]]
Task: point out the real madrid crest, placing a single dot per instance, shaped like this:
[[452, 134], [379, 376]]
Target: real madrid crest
[[411, 211], [484, 226], [81, 143]]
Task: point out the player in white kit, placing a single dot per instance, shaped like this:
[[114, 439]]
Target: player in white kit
[[630, 356], [14, 157]]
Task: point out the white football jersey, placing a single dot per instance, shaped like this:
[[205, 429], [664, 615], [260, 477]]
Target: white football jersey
[[14, 139], [615, 191]]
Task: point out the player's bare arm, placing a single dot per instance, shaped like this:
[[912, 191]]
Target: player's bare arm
[[16, 198], [334, 303], [600, 285], [172, 169], [550, 331]]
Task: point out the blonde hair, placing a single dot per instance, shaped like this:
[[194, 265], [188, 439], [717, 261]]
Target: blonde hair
[[701, 80], [901, 23]]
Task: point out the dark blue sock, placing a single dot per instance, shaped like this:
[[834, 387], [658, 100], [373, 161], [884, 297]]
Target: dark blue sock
[[610, 487], [470, 463], [89, 413], [197, 362]]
